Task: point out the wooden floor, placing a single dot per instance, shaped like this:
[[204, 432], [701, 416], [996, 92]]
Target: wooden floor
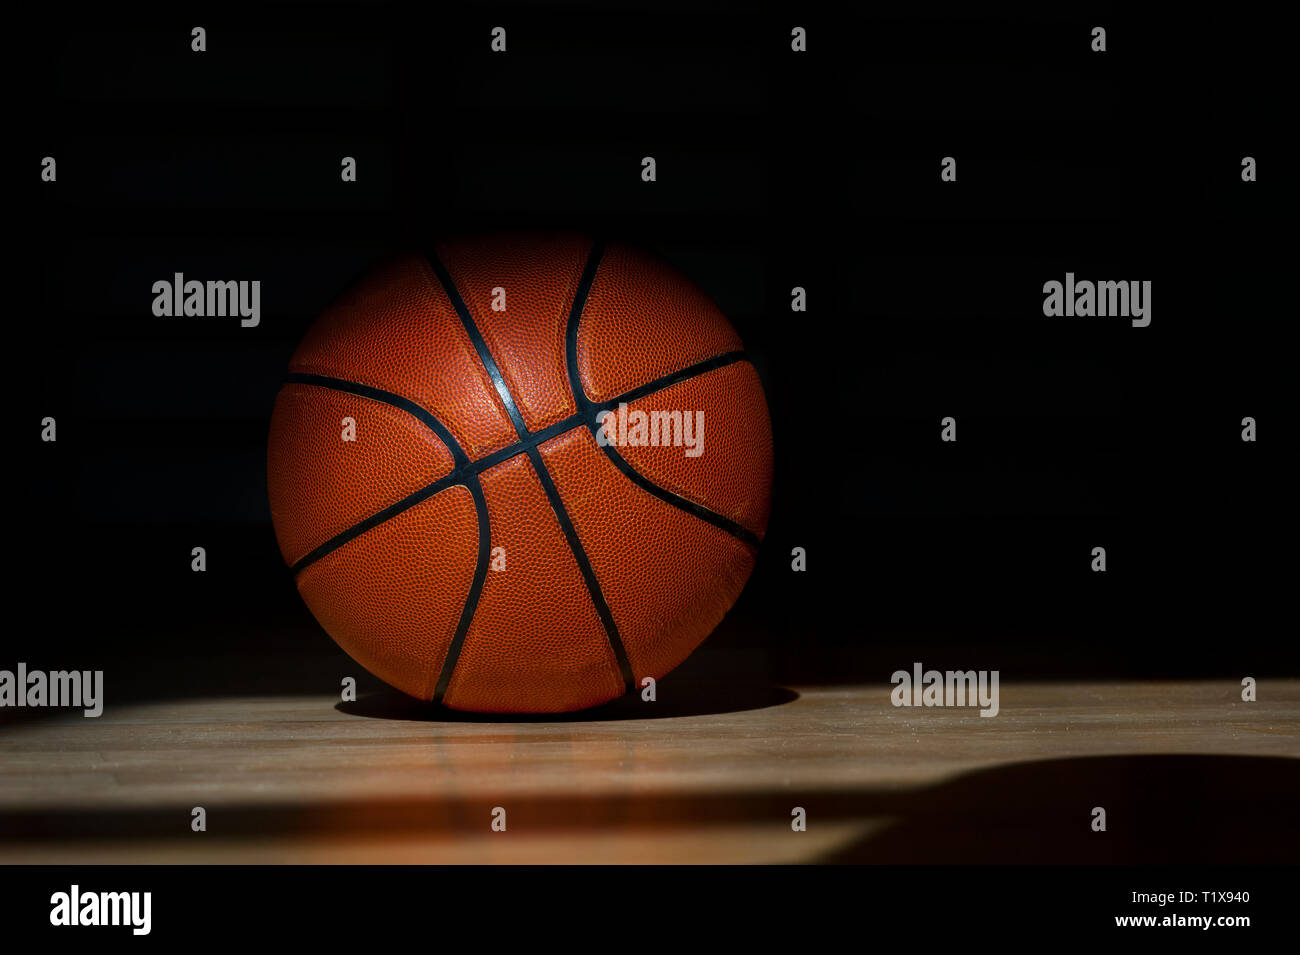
[[1184, 770]]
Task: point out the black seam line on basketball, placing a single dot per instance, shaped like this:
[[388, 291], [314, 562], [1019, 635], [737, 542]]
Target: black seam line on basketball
[[397, 401], [470, 469], [585, 282], [580, 401], [587, 407], [375, 519], [498, 382], [534, 438], [738, 531], [475, 590], [557, 504], [667, 381], [480, 346], [584, 566]]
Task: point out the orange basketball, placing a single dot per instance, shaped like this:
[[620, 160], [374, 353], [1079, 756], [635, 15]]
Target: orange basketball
[[520, 474]]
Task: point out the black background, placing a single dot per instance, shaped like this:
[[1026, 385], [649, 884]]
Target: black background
[[775, 169]]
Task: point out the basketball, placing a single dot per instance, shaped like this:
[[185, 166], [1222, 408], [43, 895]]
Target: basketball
[[520, 473]]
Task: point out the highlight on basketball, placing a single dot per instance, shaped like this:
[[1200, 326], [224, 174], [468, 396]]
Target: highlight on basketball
[[843, 444]]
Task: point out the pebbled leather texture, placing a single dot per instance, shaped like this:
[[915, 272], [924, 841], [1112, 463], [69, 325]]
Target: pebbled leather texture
[[320, 485], [392, 597], [539, 276], [536, 642], [736, 450], [643, 321], [396, 330]]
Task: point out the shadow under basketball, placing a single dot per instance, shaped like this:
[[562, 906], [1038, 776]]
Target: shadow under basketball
[[689, 699]]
